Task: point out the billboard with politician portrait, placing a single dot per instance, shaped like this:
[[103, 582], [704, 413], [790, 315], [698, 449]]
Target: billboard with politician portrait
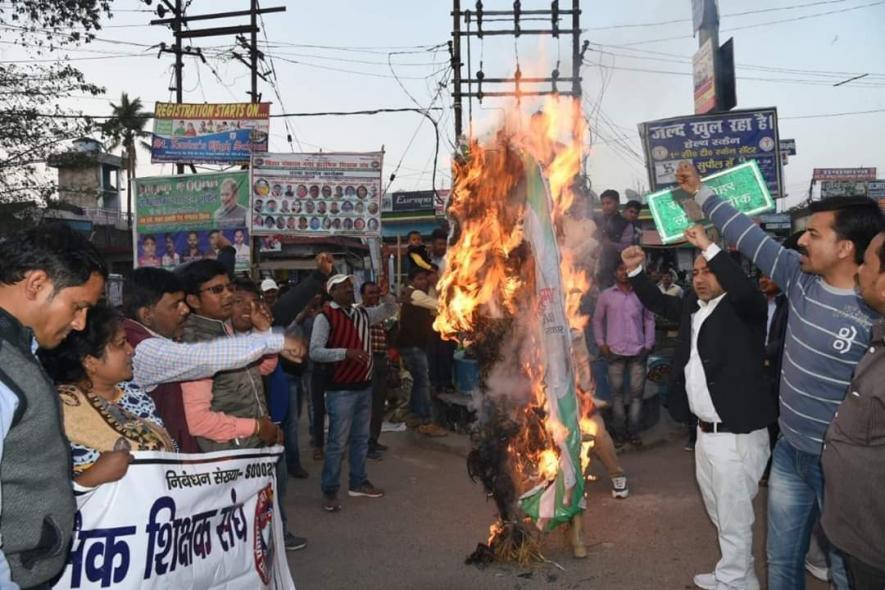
[[180, 219]]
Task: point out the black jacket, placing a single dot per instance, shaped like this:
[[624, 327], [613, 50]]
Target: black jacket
[[291, 303], [730, 344], [774, 350]]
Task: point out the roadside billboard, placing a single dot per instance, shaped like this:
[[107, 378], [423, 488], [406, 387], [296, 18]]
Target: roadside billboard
[[209, 133], [713, 143]]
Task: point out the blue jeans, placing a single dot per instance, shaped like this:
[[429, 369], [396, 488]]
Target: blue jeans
[[349, 414], [415, 360], [290, 424], [795, 497]]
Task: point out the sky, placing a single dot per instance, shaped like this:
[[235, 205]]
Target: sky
[[333, 56]]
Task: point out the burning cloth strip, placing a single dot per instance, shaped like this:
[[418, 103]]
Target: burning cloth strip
[[553, 503]]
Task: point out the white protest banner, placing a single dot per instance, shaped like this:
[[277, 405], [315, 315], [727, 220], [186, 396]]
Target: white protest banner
[[183, 521]]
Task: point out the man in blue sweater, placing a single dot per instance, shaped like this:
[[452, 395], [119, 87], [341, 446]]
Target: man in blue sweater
[[828, 331]]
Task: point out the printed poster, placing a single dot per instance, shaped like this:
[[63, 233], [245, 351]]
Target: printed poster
[[743, 186], [209, 133], [321, 194], [182, 521], [179, 219]]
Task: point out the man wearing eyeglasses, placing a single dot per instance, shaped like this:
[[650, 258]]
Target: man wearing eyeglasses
[[227, 411]]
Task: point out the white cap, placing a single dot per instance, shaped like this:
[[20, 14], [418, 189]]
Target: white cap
[[269, 285], [334, 280]]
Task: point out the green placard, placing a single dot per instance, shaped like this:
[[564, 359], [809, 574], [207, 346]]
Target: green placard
[[743, 186]]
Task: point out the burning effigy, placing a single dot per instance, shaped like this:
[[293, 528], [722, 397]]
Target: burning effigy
[[516, 269]]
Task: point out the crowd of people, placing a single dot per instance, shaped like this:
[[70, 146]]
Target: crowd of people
[[777, 378], [193, 361]]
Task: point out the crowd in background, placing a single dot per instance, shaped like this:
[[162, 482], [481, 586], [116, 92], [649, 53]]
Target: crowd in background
[[199, 360]]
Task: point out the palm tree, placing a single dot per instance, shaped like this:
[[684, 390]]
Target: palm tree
[[125, 128]]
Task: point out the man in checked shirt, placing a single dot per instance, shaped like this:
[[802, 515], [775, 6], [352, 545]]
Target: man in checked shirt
[[153, 302], [371, 294]]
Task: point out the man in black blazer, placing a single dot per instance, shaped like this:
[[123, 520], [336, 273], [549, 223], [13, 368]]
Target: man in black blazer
[[718, 376]]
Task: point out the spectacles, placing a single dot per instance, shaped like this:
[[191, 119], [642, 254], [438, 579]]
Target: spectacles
[[219, 289]]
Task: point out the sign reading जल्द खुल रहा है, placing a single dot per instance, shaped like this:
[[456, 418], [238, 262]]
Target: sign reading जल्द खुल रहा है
[[713, 142], [209, 133], [743, 186], [182, 521]]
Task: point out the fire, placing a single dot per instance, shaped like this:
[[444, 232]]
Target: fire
[[491, 303]]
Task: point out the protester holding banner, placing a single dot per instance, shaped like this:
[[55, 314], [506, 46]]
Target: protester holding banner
[[49, 278], [227, 411], [153, 302], [828, 331], [725, 389], [102, 419]]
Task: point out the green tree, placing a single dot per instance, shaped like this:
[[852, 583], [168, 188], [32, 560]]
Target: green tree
[[125, 129], [32, 124]]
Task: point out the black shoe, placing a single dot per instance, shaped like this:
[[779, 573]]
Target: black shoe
[[618, 439], [377, 446], [634, 440], [294, 543], [298, 472], [374, 455]]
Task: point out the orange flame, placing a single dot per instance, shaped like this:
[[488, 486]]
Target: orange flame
[[485, 279]]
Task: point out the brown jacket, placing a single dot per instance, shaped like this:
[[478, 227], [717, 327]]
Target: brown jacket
[[854, 461]]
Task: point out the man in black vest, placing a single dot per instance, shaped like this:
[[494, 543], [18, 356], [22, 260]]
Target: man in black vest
[[718, 376], [49, 278]]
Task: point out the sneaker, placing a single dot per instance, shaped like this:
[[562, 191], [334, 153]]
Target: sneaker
[[331, 503], [705, 581], [821, 573], [298, 472], [366, 489], [374, 455], [689, 445], [433, 430], [318, 454], [634, 440], [294, 543], [618, 439], [619, 487]]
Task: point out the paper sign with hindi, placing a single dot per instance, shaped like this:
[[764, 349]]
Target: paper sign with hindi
[[743, 186]]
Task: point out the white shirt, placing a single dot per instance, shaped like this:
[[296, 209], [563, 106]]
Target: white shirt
[[772, 307], [674, 290], [699, 399]]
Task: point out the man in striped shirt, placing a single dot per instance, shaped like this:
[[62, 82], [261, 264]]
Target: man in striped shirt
[[828, 331]]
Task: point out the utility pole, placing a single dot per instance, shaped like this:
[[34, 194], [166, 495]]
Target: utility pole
[[178, 22], [522, 86]]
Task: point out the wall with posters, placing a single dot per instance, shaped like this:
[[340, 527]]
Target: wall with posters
[[316, 194], [178, 218], [713, 143], [209, 133]]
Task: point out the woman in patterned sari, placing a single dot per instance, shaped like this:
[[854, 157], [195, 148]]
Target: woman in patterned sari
[[104, 416]]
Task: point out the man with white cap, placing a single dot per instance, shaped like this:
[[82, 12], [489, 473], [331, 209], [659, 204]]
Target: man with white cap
[[270, 291], [341, 339]]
